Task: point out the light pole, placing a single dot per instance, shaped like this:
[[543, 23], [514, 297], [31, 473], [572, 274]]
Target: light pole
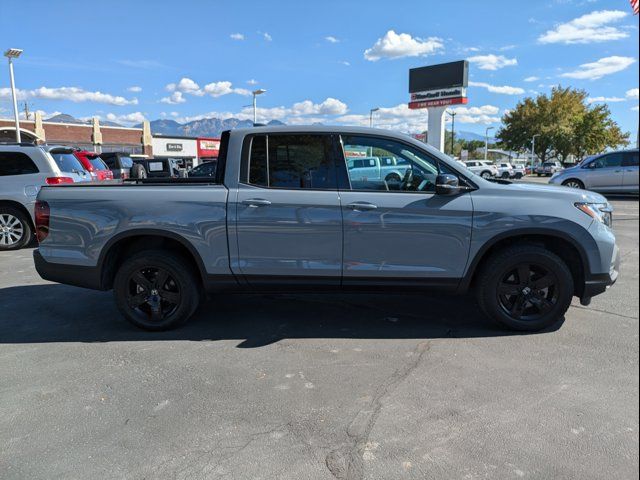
[[453, 129], [11, 54], [260, 91], [486, 140], [371, 116], [533, 148]]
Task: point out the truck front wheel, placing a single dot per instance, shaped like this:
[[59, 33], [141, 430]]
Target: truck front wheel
[[525, 287], [156, 290]]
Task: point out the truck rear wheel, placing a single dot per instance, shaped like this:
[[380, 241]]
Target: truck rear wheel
[[525, 287], [156, 290]]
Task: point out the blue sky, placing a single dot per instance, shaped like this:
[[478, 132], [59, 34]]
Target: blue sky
[[328, 61]]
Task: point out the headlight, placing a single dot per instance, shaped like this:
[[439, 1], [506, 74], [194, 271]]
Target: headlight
[[598, 211]]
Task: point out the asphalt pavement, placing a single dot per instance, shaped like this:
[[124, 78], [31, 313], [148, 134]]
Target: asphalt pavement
[[316, 386]]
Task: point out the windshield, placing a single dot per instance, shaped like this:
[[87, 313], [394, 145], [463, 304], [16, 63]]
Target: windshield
[[67, 162], [126, 162]]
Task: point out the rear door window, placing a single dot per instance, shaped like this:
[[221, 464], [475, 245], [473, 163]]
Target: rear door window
[[67, 162], [612, 160], [16, 163], [630, 159], [292, 162]]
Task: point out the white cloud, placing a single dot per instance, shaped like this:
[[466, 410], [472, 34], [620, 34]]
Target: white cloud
[[505, 89], [330, 106], [127, 118], [188, 86], [345, 63], [174, 98], [600, 68], [72, 94], [605, 99], [331, 39], [236, 36], [492, 62], [267, 37], [532, 79], [632, 94], [252, 82], [393, 45], [590, 28], [635, 109], [134, 89]]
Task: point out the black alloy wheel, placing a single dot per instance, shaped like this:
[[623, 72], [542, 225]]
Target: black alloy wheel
[[153, 294], [527, 292]]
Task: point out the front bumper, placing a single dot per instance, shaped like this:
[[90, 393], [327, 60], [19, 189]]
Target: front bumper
[[599, 283]]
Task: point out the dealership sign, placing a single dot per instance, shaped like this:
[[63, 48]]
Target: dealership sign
[[439, 85]]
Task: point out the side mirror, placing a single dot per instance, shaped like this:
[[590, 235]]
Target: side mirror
[[447, 184]]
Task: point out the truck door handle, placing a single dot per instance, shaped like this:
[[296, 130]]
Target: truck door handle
[[256, 202], [361, 206], [617, 171]]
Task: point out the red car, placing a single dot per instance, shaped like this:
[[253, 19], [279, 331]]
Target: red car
[[93, 164]]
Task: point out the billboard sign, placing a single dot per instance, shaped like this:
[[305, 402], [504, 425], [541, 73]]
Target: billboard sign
[[439, 85]]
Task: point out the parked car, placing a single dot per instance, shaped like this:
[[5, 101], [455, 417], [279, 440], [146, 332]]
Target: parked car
[[482, 168], [159, 167], [608, 173], [548, 168], [206, 169], [519, 170], [24, 168], [92, 163], [366, 169], [120, 164], [285, 213], [505, 170]]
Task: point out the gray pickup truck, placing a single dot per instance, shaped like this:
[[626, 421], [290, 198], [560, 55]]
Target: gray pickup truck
[[282, 214]]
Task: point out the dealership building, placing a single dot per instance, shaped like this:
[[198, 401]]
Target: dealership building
[[102, 138]]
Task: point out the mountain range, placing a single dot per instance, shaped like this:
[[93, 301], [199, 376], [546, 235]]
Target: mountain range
[[206, 127]]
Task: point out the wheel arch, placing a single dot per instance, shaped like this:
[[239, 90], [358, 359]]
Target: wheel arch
[[19, 206], [561, 243], [132, 241]]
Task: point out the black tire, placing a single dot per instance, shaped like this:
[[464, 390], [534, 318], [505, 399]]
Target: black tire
[[138, 171], [149, 299], [518, 176], [521, 303], [16, 231], [505, 175], [573, 183]]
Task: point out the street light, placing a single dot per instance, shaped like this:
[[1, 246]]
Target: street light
[[486, 140], [533, 147], [11, 54], [371, 115], [260, 91], [453, 128]]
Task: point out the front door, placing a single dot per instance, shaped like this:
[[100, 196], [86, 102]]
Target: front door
[[605, 172], [287, 212], [401, 231]]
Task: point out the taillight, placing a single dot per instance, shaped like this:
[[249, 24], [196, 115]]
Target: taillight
[[58, 180], [42, 220]]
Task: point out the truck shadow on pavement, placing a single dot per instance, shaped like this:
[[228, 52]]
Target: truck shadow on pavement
[[59, 313]]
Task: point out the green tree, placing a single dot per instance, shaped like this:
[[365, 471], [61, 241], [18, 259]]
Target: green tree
[[564, 123]]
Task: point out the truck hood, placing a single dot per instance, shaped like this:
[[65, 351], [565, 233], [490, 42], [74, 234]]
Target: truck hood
[[552, 191]]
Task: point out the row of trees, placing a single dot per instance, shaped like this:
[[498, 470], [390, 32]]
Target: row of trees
[[565, 125]]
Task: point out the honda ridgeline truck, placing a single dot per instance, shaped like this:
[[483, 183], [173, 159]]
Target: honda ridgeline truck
[[283, 214]]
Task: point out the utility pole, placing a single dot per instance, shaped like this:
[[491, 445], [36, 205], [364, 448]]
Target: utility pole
[[27, 113], [11, 54], [453, 129], [371, 116], [533, 148], [486, 140]]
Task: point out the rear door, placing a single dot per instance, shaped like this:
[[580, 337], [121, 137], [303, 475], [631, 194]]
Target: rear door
[[630, 166], [287, 213], [402, 232]]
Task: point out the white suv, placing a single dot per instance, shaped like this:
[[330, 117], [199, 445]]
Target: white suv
[[485, 169], [24, 168]]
